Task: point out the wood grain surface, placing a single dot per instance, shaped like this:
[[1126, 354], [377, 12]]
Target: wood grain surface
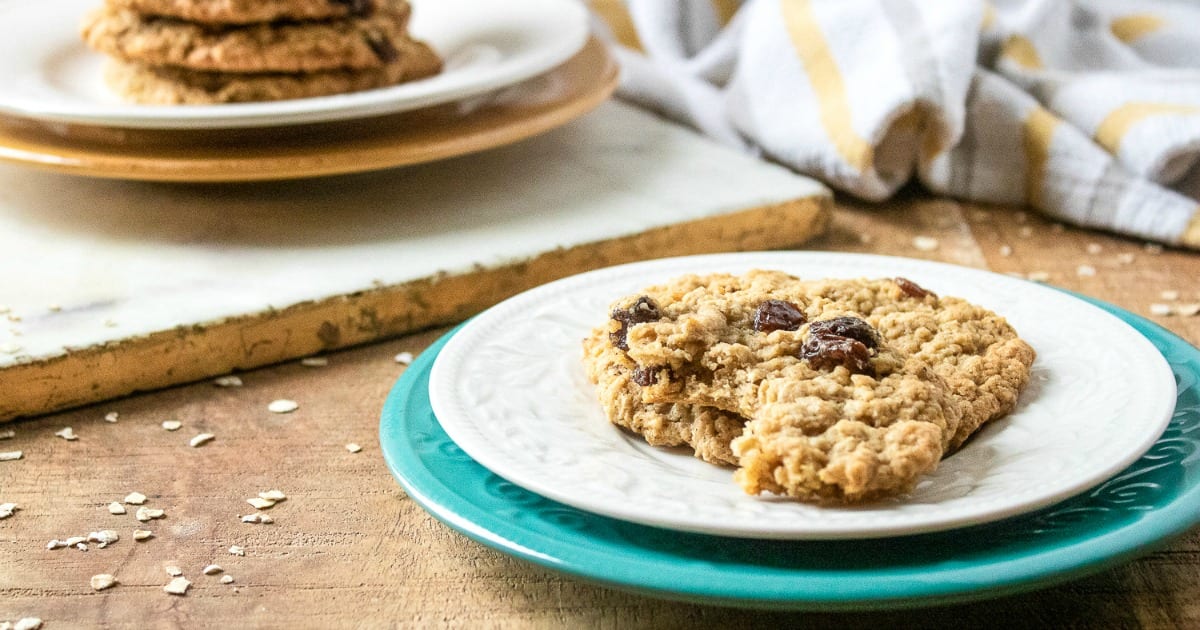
[[349, 549]]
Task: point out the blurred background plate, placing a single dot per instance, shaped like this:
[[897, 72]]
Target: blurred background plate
[[250, 154], [49, 74]]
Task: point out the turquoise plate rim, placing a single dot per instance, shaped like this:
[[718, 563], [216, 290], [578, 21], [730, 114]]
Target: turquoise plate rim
[[1079, 538]]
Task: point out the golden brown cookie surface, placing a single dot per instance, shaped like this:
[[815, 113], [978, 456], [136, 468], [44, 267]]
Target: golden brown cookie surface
[[852, 388]]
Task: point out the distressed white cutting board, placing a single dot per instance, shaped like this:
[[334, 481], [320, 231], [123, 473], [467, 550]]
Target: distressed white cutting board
[[112, 286]]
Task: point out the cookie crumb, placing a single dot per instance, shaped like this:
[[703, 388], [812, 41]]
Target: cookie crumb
[[173, 570], [283, 405], [1038, 276], [201, 440], [1006, 251], [144, 514], [177, 586], [212, 569], [1161, 309], [7, 509], [353, 448], [259, 503], [1085, 271], [925, 243], [227, 381], [116, 508], [11, 456], [1094, 248], [172, 425], [135, 498], [103, 581], [142, 534], [314, 362], [67, 433], [1170, 295], [1153, 249], [227, 579], [404, 358], [111, 416], [237, 551]]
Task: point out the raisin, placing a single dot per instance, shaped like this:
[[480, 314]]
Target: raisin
[[645, 376], [357, 7], [641, 311], [830, 351], [912, 288], [851, 327], [383, 49], [775, 315]]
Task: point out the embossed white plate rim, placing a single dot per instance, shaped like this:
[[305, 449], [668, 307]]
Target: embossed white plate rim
[[50, 75], [1010, 467]]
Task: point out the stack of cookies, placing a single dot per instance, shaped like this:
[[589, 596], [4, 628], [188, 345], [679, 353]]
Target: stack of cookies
[[226, 51], [825, 390]]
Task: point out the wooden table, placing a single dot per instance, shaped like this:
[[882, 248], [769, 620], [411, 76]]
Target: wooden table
[[348, 548]]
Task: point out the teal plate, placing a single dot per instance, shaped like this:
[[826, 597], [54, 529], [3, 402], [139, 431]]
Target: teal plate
[[1155, 499]]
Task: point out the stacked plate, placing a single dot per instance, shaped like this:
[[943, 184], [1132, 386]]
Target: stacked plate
[[514, 68], [496, 431]]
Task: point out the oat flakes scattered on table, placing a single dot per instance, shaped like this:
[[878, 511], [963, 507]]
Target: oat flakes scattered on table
[[283, 405], [7, 509], [67, 433], [925, 243], [11, 456], [135, 498], [227, 381], [172, 425], [201, 440], [178, 586], [116, 508], [112, 416], [404, 358], [103, 581]]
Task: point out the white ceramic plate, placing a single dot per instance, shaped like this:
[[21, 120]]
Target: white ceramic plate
[[49, 74], [510, 390]]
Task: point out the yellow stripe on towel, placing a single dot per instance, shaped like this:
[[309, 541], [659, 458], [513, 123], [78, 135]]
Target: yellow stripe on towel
[[827, 83], [1111, 131], [725, 9], [1037, 134], [617, 17], [1023, 52], [1130, 28]]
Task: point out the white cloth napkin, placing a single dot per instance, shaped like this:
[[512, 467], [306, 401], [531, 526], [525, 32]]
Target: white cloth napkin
[[1088, 110]]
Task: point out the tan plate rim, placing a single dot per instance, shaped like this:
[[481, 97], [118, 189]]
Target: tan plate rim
[[566, 93]]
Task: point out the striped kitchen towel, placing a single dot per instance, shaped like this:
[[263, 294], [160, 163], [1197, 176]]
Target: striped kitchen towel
[[1087, 110]]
